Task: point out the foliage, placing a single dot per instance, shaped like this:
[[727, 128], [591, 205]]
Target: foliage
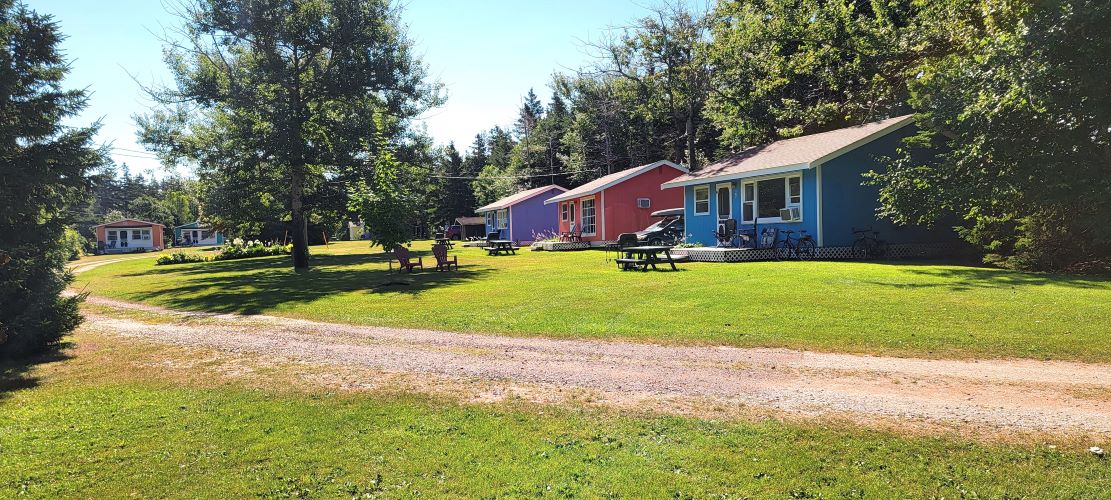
[[274, 103], [235, 249], [385, 200], [181, 258], [44, 166], [239, 249], [73, 244], [1021, 114], [494, 178], [116, 194], [957, 311], [784, 68]]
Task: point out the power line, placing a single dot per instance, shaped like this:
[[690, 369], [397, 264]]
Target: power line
[[504, 176]]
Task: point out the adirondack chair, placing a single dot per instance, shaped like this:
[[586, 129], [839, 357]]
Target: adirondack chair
[[442, 262], [403, 257]]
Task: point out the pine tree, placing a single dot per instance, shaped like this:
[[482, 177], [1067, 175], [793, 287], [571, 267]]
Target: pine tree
[[290, 88], [44, 166]]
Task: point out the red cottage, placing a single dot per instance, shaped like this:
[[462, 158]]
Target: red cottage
[[619, 202], [128, 235]]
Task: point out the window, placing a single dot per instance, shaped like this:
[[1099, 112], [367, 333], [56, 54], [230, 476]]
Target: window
[[206, 235], [748, 205], [572, 211], [701, 200], [136, 234], [111, 236], [563, 211], [146, 235], [503, 219], [588, 216], [764, 198], [771, 195], [725, 201], [644, 203], [492, 219]]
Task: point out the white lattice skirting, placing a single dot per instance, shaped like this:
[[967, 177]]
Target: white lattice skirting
[[894, 251], [560, 246]]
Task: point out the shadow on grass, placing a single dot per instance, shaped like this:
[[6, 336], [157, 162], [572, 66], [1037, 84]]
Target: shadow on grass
[[963, 277], [14, 374], [254, 286]]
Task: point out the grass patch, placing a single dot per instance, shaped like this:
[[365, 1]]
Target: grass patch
[[914, 309], [104, 423]]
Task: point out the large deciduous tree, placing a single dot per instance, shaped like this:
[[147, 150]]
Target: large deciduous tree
[[275, 102], [1020, 110], [783, 68], [44, 168]]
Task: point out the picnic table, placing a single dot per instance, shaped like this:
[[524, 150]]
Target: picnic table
[[445, 242], [644, 256], [498, 247]]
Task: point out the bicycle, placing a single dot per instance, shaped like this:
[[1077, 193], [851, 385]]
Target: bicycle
[[802, 247], [868, 247]]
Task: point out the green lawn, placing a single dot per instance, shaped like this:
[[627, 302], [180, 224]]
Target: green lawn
[[915, 309], [109, 436]]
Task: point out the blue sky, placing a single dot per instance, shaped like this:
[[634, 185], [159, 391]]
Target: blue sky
[[488, 53]]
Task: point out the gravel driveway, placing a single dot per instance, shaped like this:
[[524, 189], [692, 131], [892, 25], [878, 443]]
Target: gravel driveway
[[1000, 394]]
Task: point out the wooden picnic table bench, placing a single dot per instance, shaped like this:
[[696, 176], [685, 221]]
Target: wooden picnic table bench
[[644, 256], [500, 247]]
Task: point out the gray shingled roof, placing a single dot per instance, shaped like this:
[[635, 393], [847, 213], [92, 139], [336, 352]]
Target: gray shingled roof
[[514, 199], [801, 152]]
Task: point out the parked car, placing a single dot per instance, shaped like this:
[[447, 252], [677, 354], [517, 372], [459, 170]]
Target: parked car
[[454, 232], [669, 230]]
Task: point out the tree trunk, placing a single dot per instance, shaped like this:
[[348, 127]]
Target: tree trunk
[[300, 225]]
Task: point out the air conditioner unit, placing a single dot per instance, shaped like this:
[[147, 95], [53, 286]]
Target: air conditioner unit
[[790, 214], [644, 203]]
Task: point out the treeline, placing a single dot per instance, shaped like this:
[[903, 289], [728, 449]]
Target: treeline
[[115, 194], [1010, 95]]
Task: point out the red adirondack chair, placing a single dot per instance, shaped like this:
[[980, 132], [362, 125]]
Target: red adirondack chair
[[403, 256], [442, 262]]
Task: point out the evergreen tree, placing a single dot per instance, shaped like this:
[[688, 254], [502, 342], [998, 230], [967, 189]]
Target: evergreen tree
[[286, 91], [531, 112], [495, 179], [44, 167]]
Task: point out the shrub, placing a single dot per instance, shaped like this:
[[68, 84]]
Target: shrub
[[73, 244], [239, 249], [181, 258]]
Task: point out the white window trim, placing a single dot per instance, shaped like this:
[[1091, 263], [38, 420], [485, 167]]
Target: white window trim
[[563, 211], [695, 207], [786, 197], [717, 212], [503, 219], [593, 206]]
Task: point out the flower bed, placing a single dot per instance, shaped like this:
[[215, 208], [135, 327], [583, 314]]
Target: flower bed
[[237, 249]]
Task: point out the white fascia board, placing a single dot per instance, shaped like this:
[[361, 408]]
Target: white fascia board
[[741, 175]]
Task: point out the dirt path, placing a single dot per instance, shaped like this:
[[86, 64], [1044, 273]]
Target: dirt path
[[1025, 395], [80, 267]]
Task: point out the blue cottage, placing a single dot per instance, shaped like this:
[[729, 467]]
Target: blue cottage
[[812, 183]]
